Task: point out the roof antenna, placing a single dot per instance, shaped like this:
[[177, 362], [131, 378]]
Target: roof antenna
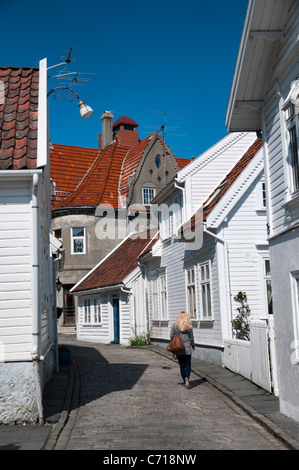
[[68, 78]]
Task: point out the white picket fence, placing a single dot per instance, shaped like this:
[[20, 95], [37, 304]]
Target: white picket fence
[[251, 358]]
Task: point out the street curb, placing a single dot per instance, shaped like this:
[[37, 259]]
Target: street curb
[[269, 425], [64, 415]]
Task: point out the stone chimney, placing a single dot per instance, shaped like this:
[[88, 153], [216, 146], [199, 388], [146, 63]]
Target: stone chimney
[[106, 137]]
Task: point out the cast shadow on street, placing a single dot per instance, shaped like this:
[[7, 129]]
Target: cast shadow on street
[[97, 377]]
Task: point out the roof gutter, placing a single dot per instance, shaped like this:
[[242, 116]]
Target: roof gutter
[[239, 63], [97, 289]]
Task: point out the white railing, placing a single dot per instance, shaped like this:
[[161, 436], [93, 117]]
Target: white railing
[[250, 358]]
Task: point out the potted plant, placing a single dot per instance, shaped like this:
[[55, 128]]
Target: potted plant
[[64, 353]]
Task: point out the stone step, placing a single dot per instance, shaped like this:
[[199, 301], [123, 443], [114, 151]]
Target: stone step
[[65, 330]]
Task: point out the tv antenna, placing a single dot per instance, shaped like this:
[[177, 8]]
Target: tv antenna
[[65, 78], [163, 129], [163, 126]]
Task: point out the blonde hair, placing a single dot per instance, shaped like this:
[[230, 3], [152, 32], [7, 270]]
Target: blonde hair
[[183, 322]]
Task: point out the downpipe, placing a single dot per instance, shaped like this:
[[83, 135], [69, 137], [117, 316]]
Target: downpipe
[[36, 327]]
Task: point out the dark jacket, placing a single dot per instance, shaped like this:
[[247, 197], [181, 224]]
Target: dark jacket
[[187, 337]]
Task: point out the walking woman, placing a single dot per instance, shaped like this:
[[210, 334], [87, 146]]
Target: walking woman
[[184, 327]]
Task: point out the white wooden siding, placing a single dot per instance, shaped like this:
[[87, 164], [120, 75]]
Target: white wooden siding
[[245, 229], [279, 182], [15, 269], [212, 167]]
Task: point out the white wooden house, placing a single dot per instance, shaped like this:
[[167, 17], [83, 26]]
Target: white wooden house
[[111, 300], [27, 303], [264, 97], [229, 254]]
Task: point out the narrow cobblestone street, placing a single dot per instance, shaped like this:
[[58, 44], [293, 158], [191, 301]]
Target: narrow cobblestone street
[[130, 398]]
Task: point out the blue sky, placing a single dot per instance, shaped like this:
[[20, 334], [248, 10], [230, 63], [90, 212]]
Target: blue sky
[[167, 56]]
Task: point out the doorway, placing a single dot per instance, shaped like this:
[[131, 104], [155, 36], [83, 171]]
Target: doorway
[[68, 306], [115, 304]]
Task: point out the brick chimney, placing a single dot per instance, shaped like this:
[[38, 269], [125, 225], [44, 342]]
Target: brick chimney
[[106, 137], [125, 131]]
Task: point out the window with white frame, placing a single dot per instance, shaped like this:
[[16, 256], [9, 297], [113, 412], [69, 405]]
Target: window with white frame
[[295, 300], [291, 108], [261, 196], [191, 292], [170, 217], [163, 295], [148, 194], [205, 291], [92, 314], [268, 286], [292, 125], [264, 199], [155, 297], [78, 240], [159, 295], [87, 312]]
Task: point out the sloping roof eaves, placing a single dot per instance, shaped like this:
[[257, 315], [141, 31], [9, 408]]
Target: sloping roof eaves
[[219, 192]]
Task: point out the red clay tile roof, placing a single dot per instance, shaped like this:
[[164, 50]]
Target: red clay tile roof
[[182, 162], [19, 118], [121, 262], [225, 184], [99, 185], [89, 177], [69, 164]]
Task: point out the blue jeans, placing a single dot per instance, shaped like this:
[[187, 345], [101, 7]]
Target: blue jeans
[[185, 365]]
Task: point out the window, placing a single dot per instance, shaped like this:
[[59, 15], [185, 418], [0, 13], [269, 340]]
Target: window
[[163, 293], [205, 291], [191, 292], [78, 240], [295, 299], [292, 122], [158, 161], [159, 295], [92, 312], [170, 217], [155, 298], [58, 234], [87, 316], [292, 126], [267, 277], [97, 318], [147, 195], [264, 200]]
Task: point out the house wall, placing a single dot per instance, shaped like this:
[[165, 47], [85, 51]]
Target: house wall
[[245, 233], [97, 244], [284, 255], [104, 332], [22, 380], [15, 269], [286, 70], [283, 215], [176, 257]]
